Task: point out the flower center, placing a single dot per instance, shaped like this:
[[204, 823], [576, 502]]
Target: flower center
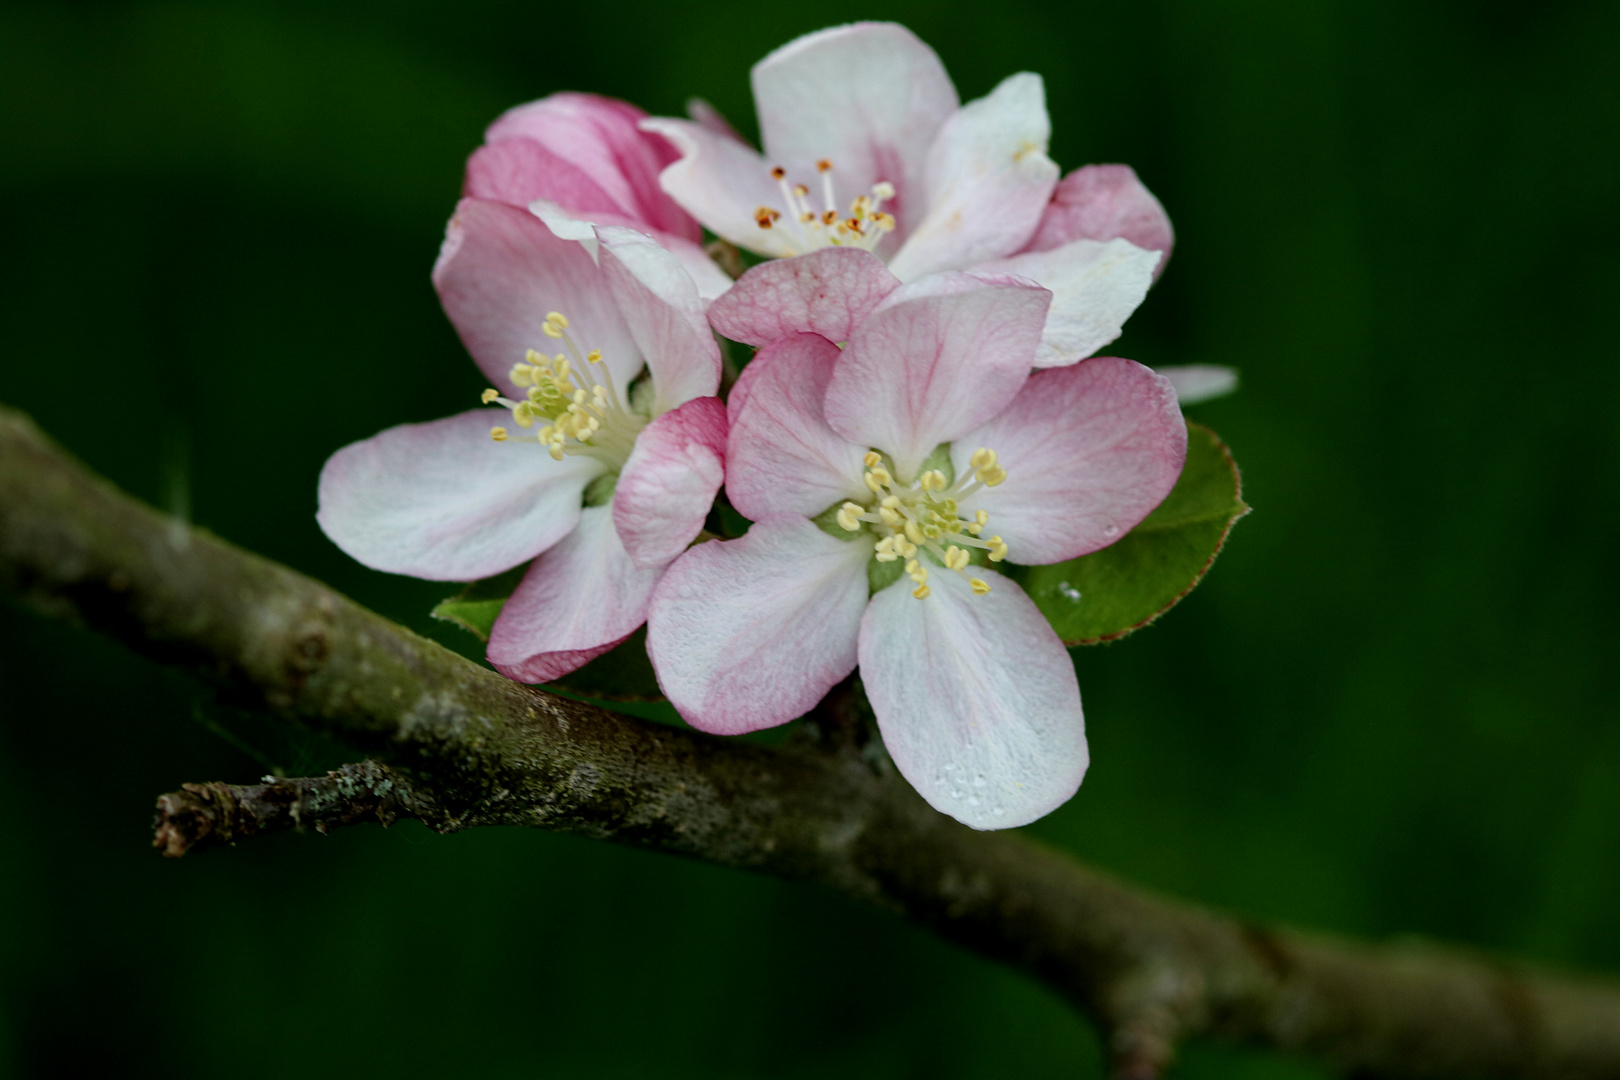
[[926, 515], [863, 228], [574, 399]]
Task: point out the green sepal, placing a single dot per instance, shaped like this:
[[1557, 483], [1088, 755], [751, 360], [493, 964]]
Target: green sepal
[[1107, 594], [599, 492], [880, 575], [476, 607]]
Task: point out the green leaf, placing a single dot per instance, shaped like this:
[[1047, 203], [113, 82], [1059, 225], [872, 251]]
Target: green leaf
[[1123, 587], [476, 606]]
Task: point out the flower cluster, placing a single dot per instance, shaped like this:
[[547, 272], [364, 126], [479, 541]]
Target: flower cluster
[[924, 409]]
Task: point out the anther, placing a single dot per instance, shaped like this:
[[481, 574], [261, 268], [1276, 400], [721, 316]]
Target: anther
[[557, 319], [824, 165], [498, 434], [778, 173], [980, 586], [594, 356], [849, 516], [921, 592], [872, 458], [488, 396], [998, 549]]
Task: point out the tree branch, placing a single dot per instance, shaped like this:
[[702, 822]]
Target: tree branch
[[461, 746]]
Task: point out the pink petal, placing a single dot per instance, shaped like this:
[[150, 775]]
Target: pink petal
[[519, 171], [936, 359], [869, 97], [782, 458], [501, 270], [577, 601], [828, 293], [1089, 451], [988, 182], [1101, 202], [722, 182], [660, 305], [976, 699], [602, 137], [443, 501], [668, 485], [1095, 284], [751, 633]]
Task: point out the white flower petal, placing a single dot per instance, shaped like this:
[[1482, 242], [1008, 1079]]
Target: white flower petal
[[1200, 382], [1096, 285], [976, 698], [988, 182], [443, 501], [869, 97]]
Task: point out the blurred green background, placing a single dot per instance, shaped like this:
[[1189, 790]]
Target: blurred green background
[[1390, 709]]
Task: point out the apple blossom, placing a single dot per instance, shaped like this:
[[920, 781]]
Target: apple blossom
[[866, 112], [886, 481], [580, 160], [605, 477]]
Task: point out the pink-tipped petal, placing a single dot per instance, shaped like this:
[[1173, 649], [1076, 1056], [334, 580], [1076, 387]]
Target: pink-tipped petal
[[1095, 284], [1199, 382], [829, 292], [519, 171], [603, 138], [976, 699], [1089, 451], [578, 600], [937, 358], [1105, 202], [988, 182], [669, 483], [722, 182], [869, 97], [781, 457], [751, 633], [501, 270], [659, 303], [442, 501]]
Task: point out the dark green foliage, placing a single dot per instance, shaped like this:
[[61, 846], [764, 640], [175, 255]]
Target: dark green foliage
[[1391, 710]]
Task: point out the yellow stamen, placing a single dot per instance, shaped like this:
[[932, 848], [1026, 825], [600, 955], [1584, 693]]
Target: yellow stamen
[[498, 434], [921, 592], [488, 396], [979, 586]]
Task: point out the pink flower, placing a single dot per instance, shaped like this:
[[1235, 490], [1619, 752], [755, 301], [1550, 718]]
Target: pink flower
[[867, 112], [579, 160], [885, 481], [604, 477]]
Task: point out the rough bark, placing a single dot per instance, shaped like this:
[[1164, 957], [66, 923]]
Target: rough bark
[[457, 746]]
